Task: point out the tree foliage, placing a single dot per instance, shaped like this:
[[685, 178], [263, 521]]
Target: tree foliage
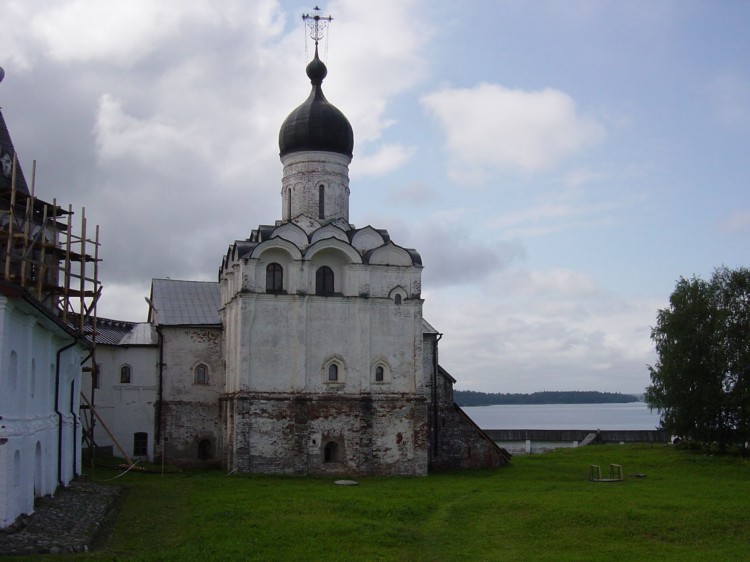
[[700, 382], [474, 398]]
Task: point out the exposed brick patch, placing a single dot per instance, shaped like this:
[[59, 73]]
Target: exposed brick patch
[[365, 435]]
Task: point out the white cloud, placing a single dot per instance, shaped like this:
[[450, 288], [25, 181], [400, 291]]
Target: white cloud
[[16, 52], [582, 176], [416, 193], [119, 135], [388, 158], [543, 330], [454, 256], [170, 112], [367, 70], [452, 253], [126, 31], [490, 127], [385, 66], [554, 216], [125, 301], [85, 30]]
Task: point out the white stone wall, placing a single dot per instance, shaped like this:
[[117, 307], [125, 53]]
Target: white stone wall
[[289, 340], [304, 173], [281, 408], [191, 411], [29, 426], [126, 408]]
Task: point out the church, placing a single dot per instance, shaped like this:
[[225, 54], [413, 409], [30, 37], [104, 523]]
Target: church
[[310, 355]]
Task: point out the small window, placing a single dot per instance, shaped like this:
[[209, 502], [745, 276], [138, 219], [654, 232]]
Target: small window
[[13, 371], [96, 376], [33, 377], [140, 444], [125, 373], [16, 469], [324, 281], [274, 278], [397, 299], [379, 374], [321, 201], [201, 374], [289, 204], [333, 371]]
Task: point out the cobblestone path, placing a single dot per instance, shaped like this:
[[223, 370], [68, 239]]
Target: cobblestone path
[[66, 522]]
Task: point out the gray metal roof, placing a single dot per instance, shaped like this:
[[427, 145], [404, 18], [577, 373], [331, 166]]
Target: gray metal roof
[[446, 374], [185, 303], [142, 333], [119, 332], [108, 331], [427, 328]]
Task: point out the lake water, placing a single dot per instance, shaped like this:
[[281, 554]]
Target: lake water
[[633, 415]]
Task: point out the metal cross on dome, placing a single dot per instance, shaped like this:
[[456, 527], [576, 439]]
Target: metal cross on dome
[[317, 24]]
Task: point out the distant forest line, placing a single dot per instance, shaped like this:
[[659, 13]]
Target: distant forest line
[[473, 398]]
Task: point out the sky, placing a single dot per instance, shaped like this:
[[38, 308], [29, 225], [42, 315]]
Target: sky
[[559, 164]]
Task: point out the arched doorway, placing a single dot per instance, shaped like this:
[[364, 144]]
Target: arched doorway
[[205, 450], [331, 452]]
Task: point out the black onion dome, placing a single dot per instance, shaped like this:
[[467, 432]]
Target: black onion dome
[[316, 124]]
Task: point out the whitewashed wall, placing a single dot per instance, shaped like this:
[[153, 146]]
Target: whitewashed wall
[[191, 409], [127, 408], [282, 410], [304, 173], [29, 428]]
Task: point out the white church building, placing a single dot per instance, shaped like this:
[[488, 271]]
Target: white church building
[[310, 355]]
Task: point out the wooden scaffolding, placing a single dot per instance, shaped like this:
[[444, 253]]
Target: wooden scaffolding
[[41, 251]]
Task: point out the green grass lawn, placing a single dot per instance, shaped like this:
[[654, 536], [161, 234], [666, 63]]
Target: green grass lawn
[[688, 507]]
